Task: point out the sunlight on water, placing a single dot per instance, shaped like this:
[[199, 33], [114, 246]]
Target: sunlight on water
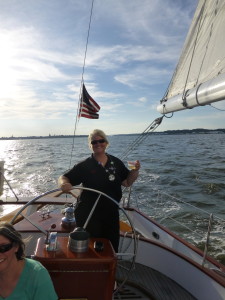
[[8, 209], [188, 167]]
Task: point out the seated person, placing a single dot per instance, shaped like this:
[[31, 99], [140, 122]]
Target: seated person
[[21, 278]]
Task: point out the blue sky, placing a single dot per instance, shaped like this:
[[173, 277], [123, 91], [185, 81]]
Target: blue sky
[[133, 49]]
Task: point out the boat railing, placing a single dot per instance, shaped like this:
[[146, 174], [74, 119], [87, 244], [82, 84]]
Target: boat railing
[[2, 178], [199, 227], [207, 239]]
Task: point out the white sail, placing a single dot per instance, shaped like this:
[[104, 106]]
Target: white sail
[[199, 78]]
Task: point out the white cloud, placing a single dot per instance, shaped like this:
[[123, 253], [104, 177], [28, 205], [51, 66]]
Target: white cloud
[[144, 75], [142, 99], [133, 47]]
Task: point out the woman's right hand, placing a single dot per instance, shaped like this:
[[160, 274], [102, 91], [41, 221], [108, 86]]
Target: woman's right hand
[[66, 187]]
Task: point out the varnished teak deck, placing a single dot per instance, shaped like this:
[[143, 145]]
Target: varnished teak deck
[[143, 282]]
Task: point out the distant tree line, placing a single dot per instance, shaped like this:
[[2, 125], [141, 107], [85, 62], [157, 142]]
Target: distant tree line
[[180, 131]]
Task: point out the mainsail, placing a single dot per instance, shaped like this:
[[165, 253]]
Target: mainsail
[[199, 78]]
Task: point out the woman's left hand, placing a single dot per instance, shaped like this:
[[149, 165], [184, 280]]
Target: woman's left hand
[[137, 165], [133, 174]]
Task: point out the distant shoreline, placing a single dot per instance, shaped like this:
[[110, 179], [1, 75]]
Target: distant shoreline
[[167, 132]]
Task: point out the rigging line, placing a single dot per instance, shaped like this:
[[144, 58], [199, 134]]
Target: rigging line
[[164, 112], [169, 117], [82, 80], [144, 135], [216, 108]]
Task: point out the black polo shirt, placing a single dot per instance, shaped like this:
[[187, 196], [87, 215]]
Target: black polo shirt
[[93, 175]]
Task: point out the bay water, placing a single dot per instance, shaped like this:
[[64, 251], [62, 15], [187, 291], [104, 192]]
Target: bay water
[[179, 172]]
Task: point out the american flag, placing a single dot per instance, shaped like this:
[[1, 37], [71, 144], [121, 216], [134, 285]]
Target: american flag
[[88, 107]]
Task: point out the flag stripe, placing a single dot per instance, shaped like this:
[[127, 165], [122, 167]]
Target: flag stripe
[[88, 107], [89, 116], [88, 111], [89, 100]]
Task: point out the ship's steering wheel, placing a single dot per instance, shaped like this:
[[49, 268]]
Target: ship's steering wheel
[[122, 253]]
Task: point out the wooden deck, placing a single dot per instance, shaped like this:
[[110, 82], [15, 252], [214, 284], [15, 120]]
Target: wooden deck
[[143, 282]]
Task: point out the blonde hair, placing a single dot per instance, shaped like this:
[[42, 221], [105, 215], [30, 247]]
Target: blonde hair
[[97, 132]]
